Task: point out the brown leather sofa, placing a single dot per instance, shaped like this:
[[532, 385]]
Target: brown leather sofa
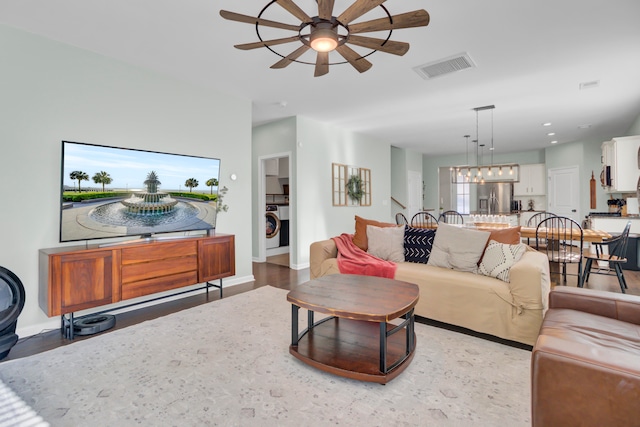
[[585, 365]]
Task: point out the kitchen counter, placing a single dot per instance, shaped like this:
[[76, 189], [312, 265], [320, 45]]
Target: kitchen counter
[[615, 224]]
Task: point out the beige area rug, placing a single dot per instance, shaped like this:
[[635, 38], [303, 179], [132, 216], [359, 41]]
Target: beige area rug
[[227, 363]]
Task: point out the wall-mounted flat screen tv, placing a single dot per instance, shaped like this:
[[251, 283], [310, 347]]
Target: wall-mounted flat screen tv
[[111, 192]]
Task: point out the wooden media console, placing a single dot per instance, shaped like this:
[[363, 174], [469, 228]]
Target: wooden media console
[[77, 278]]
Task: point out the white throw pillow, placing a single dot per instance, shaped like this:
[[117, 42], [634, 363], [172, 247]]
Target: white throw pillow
[[386, 242], [458, 248], [499, 258]]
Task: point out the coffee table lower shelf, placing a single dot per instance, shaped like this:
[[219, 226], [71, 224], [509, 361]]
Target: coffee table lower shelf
[[351, 349]]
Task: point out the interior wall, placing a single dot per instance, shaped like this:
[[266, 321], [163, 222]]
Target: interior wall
[[399, 190], [270, 139], [318, 146], [53, 92], [634, 129]]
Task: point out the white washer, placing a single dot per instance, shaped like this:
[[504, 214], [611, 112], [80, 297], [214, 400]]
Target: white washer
[[272, 226]]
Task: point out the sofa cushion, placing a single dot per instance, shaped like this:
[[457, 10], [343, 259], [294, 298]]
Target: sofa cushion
[[498, 259], [457, 248], [417, 244], [360, 236], [386, 242], [509, 236]]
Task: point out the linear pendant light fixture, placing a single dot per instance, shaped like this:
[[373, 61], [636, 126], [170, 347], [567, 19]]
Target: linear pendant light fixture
[[479, 173]]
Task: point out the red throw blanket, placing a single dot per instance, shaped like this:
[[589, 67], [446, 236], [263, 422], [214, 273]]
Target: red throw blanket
[[353, 260]]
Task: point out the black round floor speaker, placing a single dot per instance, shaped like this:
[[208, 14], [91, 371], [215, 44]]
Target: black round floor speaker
[[93, 324]]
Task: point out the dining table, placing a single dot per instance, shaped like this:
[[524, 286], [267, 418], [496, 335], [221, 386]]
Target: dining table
[[589, 235]]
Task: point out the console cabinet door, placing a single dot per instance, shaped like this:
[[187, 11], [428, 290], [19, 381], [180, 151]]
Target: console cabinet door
[[216, 258], [83, 280]]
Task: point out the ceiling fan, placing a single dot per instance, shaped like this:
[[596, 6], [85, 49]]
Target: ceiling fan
[[325, 33]]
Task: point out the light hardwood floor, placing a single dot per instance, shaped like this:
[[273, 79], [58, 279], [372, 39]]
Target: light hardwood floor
[[265, 274]]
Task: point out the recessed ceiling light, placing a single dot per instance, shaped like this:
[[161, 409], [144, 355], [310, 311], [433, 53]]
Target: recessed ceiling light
[[546, 124], [554, 142], [551, 133]]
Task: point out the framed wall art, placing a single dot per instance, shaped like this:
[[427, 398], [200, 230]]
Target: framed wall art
[[351, 185]]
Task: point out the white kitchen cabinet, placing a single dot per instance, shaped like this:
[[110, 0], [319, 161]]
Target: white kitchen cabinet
[[271, 167], [533, 180], [621, 155], [283, 167]]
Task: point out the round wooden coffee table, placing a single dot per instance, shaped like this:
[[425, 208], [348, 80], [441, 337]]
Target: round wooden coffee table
[[356, 340]]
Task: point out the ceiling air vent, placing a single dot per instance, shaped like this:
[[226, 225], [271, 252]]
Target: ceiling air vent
[[589, 85], [449, 65]]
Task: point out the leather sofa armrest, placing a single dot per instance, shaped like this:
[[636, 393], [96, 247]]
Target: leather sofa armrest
[[319, 252], [623, 307]]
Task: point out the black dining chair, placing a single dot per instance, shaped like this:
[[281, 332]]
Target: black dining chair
[[451, 217], [401, 219], [561, 239], [535, 220], [615, 255], [424, 220]]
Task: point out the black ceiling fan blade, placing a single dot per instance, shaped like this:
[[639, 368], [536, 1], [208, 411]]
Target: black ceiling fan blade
[[291, 57], [358, 62], [232, 16], [357, 9], [417, 18], [387, 46], [322, 64], [325, 9], [293, 9], [263, 43]]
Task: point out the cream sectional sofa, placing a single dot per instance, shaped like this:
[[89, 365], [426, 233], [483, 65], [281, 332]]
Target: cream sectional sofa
[[512, 310]]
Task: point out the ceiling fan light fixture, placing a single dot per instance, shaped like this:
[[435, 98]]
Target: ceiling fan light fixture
[[324, 37], [324, 32]]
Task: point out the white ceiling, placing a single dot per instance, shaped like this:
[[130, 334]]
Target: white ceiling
[[531, 57]]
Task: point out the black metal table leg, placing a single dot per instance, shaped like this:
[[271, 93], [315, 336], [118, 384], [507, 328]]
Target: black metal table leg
[[383, 347], [294, 324], [310, 320]]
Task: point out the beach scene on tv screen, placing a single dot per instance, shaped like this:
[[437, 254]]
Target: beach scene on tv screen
[[116, 192]]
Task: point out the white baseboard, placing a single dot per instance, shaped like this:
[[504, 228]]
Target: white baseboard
[[54, 322], [299, 266], [278, 251]]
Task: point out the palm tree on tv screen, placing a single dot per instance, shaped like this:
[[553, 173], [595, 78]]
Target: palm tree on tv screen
[[212, 182], [80, 176], [191, 183], [103, 178]]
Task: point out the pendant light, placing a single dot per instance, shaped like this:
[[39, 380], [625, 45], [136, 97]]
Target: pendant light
[[494, 172]]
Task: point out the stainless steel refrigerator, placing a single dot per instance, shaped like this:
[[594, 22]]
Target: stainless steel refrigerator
[[494, 198]]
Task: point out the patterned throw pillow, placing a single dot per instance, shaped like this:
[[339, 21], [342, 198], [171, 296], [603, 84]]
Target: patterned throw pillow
[[417, 244], [499, 258]]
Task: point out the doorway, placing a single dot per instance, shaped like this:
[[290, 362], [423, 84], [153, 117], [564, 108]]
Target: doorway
[[274, 213], [564, 192]]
